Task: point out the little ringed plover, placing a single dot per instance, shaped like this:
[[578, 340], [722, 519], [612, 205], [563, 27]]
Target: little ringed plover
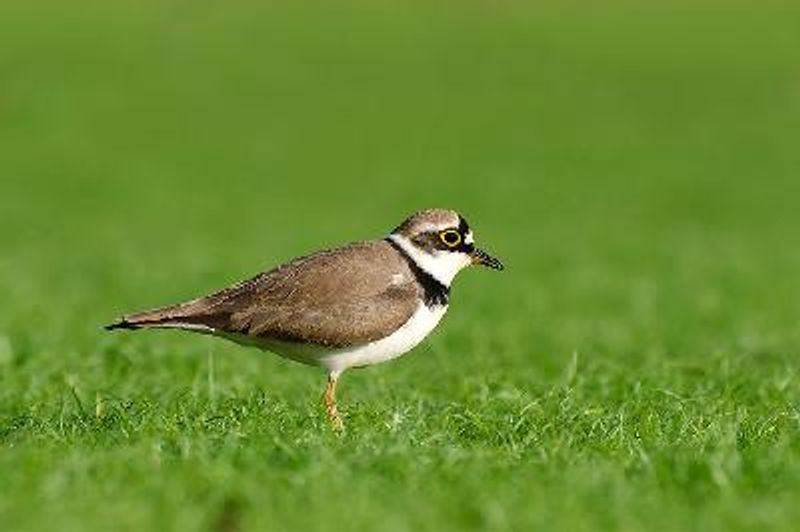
[[348, 307]]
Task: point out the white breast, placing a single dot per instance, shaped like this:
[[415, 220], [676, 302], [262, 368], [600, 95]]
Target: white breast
[[411, 333]]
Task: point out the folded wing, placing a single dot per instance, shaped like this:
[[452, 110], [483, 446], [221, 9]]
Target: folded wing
[[347, 296]]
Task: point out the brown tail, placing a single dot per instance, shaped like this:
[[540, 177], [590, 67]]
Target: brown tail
[[134, 322], [121, 324], [174, 316]]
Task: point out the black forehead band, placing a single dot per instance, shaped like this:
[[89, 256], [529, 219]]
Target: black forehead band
[[463, 228]]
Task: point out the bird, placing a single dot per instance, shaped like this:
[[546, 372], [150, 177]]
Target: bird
[[352, 306]]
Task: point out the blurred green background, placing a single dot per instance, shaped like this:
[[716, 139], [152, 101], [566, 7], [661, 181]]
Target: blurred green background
[[635, 165]]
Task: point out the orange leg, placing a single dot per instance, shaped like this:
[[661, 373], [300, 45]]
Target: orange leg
[[330, 402]]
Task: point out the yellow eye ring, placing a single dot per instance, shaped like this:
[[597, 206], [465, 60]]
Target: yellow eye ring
[[451, 238]]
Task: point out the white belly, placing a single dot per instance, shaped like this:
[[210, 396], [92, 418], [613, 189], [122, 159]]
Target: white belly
[[404, 339]]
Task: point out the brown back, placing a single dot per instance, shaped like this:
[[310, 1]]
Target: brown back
[[341, 297]]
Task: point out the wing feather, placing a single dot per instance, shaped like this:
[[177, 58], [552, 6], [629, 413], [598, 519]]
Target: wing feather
[[336, 298]]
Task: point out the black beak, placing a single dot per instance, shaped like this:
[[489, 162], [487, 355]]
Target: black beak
[[479, 256]]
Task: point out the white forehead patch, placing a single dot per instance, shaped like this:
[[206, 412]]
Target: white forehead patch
[[469, 239]]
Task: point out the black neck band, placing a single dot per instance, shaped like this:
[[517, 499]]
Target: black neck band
[[434, 292]]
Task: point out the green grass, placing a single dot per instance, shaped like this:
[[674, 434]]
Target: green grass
[[635, 368]]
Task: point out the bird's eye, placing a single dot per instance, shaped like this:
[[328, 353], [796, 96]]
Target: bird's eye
[[451, 237]]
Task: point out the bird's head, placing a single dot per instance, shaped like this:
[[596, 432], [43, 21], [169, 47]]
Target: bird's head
[[441, 243]]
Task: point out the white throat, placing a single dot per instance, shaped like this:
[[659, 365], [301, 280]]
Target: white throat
[[441, 265]]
